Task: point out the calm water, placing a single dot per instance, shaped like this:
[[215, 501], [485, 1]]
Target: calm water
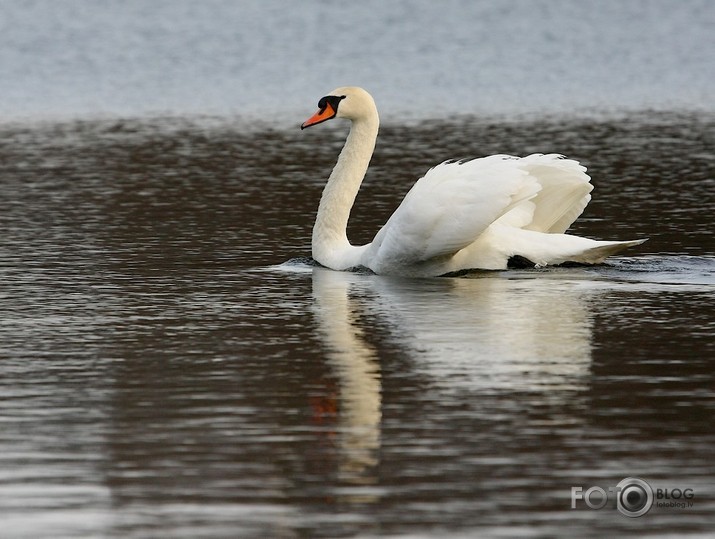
[[418, 58], [165, 373], [172, 367]]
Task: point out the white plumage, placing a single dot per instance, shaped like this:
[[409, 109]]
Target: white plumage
[[473, 214]]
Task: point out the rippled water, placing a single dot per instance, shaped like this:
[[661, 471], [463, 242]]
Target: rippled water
[[171, 367]]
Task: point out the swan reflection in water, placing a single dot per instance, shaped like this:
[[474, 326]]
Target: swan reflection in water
[[354, 363], [487, 334]]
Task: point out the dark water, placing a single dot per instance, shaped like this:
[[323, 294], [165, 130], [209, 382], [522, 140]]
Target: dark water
[[163, 373]]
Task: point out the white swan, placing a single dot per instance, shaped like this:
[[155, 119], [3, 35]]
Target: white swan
[[475, 214]]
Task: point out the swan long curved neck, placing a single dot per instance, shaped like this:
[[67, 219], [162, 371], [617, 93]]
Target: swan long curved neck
[[330, 243]]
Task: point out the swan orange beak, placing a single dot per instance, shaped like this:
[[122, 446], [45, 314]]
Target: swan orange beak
[[321, 116]]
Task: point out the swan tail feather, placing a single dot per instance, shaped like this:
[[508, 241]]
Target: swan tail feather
[[599, 253]]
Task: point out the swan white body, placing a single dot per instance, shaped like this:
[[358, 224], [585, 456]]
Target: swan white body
[[460, 215]]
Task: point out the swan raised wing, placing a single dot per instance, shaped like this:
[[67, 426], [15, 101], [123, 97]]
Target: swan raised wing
[[447, 209]]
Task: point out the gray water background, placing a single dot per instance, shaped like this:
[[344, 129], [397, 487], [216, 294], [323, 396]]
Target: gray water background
[[170, 365], [264, 58]]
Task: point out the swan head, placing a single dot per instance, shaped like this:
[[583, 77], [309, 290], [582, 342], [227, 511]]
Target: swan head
[[348, 102]]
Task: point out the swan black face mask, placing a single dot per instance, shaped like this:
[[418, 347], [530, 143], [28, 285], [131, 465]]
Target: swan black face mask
[[327, 109]]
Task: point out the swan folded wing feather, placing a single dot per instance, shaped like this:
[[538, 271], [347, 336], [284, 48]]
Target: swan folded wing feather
[[565, 191], [448, 208]]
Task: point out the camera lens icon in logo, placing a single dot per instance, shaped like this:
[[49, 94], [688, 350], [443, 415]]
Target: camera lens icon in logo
[[635, 497]]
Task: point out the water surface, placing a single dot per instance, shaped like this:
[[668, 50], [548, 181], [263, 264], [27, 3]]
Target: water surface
[[170, 370], [420, 59]]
